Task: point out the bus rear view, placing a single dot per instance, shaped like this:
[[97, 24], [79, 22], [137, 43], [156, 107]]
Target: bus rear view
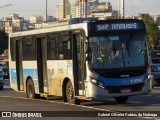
[[117, 59]]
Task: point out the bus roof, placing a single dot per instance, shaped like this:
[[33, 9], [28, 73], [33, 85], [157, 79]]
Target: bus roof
[[75, 23]]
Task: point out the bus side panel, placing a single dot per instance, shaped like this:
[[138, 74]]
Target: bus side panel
[[30, 70], [57, 72], [13, 76], [52, 77], [63, 67]]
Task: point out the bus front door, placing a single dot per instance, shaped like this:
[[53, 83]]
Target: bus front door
[[19, 68], [42, 65], [79, 63]]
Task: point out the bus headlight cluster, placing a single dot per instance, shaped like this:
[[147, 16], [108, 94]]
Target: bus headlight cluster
[[148, 79], [96, 82], [150, 76]]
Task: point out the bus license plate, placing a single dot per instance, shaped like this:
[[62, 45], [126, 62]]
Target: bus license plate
[[126, 90]]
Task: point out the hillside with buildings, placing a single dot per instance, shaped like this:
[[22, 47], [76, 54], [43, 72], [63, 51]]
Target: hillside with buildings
[[66, 10]]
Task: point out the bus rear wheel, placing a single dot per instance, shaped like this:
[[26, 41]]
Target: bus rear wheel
[[30, 89], [121, 99], [70, 97]]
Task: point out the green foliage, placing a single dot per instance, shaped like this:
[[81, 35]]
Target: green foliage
[[153, 32]]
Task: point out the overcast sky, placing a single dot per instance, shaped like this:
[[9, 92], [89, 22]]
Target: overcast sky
[[26, 8]]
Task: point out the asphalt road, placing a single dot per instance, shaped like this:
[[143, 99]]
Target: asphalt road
[[11, 100]]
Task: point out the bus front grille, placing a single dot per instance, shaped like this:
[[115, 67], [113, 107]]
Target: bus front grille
[[132, 88]]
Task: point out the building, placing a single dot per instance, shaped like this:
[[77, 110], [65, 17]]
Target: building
[[78, 15], [141, 16], [2, 25], [93, 5], [57, 11], [104, 11], [84, 8], [26, 25], [12, 16], [73, 5], [50, 18], [103, 6], [13, 23], [10, 30], [63, 9], [36, 19], [105, 14]]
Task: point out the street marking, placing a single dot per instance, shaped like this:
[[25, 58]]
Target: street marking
[[148, 95], [94, 108], [134, 102], [155, 104]]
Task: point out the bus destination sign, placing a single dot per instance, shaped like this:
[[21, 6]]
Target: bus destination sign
[[117, 26]]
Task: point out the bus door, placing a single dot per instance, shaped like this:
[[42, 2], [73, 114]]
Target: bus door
[[79, 63], [19, 68], [42, 64]]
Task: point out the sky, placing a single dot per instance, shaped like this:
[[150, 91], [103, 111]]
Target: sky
[[27, 8]]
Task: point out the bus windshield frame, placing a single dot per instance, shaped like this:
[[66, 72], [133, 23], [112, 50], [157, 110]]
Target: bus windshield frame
[[106, 51]]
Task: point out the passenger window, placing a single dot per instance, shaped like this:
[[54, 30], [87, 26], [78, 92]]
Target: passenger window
[[29, 51], [53, 46]]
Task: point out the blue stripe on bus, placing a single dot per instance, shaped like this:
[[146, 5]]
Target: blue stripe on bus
[[26, 72], [13, 76], [122, 81]]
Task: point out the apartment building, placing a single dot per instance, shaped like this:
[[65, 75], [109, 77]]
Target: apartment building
[[73, 5], [13, 23], [36, 19], [92, 5], [2, 25], [63, 9]]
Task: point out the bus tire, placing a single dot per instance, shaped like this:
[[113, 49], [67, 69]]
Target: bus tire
[[70, 96], [30, 89], [121, 99]]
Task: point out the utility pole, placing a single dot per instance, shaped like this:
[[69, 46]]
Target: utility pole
[[119, 7], [46, 10], [123, 9]]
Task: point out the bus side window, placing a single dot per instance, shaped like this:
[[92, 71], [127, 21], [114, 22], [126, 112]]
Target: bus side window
[[13, 49], [29, 48], [65, 49], [52, 47]]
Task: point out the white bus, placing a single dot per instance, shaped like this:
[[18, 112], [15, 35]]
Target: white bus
[[81, 60]]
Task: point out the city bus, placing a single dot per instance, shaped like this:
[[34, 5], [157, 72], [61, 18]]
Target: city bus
[[81, 59]]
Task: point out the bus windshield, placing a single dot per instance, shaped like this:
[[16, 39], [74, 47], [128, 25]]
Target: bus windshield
[[117, 51]]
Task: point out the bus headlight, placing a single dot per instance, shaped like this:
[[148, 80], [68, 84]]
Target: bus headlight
[[150, 76], [148, 79], [96, 82]]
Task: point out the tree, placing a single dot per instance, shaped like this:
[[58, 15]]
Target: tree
[[3, 41], [153, 32]]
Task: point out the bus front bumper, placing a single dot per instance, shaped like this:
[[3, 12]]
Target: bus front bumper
[[99, 94]]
